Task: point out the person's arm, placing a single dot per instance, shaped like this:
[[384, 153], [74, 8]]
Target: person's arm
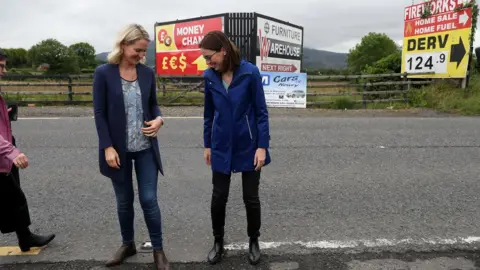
[[7, 149], [208, 113], [100, 108], [261, 111]]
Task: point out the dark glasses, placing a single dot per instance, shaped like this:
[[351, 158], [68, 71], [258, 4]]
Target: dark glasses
[[209, 57]]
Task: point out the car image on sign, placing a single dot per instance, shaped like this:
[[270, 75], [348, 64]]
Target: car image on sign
[[296, 94]]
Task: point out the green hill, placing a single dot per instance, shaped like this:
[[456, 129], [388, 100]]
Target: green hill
[[312, 58]]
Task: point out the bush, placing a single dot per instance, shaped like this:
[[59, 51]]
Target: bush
[[87, 70], [13, 71], [342, 103], [387, 65]]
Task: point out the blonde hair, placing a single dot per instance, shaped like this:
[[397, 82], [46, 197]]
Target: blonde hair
[[129, 35]]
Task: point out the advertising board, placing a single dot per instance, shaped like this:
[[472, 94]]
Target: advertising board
[[285, 89], [438, 45], [279, 45], [177, 51]]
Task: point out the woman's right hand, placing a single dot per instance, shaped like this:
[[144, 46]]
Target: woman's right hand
[[207, 155], [112, 158], [21, 161]]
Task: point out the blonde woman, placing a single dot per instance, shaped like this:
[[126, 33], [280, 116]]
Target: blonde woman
[[127, 119]]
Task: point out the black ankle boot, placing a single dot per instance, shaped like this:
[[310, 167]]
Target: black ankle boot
[[216, 253], [27, 240], [254, 251]]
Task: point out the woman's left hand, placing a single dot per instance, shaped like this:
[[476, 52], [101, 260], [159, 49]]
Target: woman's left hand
[[152, 127], [260, 156]]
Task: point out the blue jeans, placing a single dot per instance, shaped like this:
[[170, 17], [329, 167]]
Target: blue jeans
[[147, 177]]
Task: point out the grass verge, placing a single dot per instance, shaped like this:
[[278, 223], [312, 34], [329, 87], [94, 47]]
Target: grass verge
[[443, 96]]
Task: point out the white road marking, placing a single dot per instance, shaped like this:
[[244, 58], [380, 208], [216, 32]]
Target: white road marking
[[58, 118], [179, 117], [38, 118], [183, 117], [360, 243]]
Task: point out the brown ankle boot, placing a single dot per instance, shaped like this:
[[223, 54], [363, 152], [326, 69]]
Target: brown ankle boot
[[161, 262], [122, 253]]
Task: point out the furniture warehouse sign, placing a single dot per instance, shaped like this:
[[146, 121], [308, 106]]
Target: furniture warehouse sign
[[279, 46], [438, 45]]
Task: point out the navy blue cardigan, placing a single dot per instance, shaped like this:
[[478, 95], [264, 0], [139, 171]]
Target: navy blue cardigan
[[110, 119]]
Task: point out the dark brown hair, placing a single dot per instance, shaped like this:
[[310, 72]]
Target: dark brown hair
[[215, 41]]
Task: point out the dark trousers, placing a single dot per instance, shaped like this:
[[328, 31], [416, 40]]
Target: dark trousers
[[14, 213], [221, 188], [147, 173]]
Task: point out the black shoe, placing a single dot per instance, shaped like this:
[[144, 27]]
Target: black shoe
[[217, 252], [160, 260], [254, 251], [32, 240], [125, 251]]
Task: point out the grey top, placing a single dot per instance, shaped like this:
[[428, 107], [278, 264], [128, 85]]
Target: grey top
[[132, 96], [225, 84]]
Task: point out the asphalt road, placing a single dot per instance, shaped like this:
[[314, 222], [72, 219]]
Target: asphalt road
[[341, 193]]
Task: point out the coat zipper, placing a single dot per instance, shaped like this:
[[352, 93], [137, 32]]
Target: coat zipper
[[213, 124], [249, 130]]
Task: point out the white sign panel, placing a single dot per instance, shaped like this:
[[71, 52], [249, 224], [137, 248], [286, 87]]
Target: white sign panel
[[279, 46], [435, 62], [282, 89]]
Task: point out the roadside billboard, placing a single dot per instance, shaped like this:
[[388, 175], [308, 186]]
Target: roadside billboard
[[437, 45], [177, 51], [285, 89], [279, 45]]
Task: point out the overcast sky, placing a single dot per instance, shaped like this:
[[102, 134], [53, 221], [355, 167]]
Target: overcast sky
[[329, 26]]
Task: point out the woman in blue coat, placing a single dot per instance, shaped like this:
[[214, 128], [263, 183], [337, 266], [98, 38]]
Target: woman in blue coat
[[236, 135], [127, 119]]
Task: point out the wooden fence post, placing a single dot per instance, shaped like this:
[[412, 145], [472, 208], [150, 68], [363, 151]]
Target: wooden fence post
[[363, 94], [70, 89]]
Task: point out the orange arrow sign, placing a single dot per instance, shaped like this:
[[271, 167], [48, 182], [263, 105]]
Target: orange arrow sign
[[201, 63]]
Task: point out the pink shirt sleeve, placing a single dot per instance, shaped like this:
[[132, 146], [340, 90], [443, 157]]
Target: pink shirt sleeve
[[7, 149]]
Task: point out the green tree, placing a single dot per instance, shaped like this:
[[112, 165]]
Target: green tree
[[17, 57], [60, 58], [371, 48], [85, 53], [389, 64]]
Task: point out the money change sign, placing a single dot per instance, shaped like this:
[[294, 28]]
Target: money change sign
[[177, 51], [438, 45]]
